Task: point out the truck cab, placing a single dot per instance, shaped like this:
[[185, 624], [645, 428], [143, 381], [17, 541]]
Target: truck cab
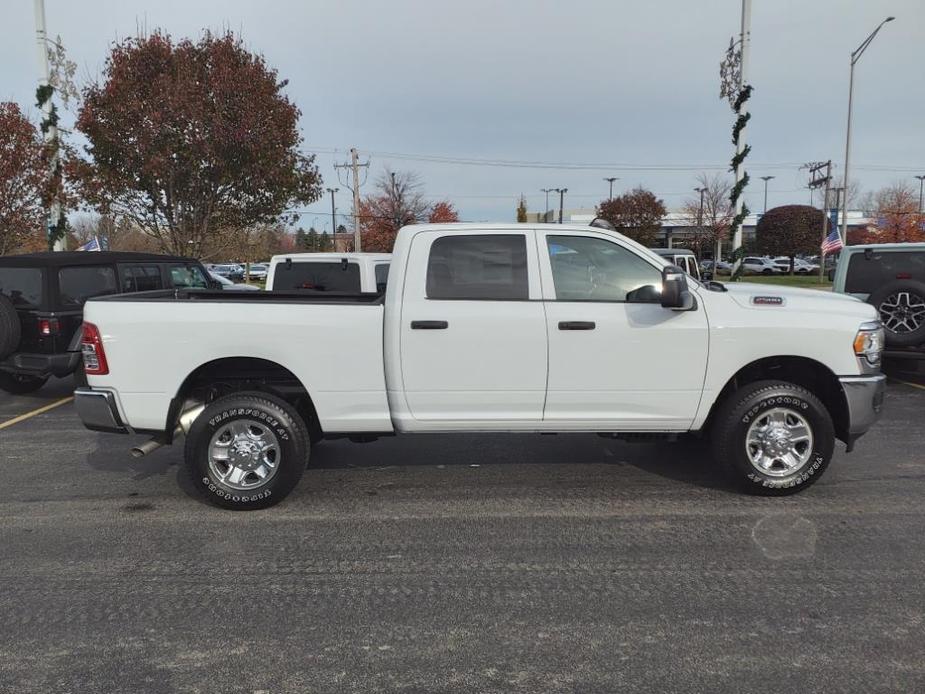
[[329, 272]]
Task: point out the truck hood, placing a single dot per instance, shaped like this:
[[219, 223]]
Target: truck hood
[[766, 297]]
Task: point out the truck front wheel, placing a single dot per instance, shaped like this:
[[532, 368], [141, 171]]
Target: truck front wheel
[[247, 451], [775, 437]]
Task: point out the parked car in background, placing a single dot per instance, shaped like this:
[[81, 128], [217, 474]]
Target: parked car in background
[[232, 271], [720, 267], [487, 327], [684, 258], [800, 266], [258, 271], [41, 305], [890, 277], [756, 265], [347, 273], [228, 285]]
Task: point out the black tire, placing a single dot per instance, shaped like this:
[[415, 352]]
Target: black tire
[[767, 271], [901, 305], [10, 328], [752, 404], [269, 414], [20, 384]]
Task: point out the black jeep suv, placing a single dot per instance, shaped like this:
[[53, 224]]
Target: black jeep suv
[[41, 305]]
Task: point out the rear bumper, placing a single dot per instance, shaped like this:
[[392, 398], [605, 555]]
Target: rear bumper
[[97, 410], [864, 396], [41, 365]]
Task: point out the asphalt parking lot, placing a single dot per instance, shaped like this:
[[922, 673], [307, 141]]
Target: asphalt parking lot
[[459, 564]]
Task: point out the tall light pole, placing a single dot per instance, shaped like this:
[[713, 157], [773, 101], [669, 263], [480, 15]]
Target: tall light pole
[[766, 179], [921, 184], [546, 209], [855, 56], [333, 216], [561, 192], [610, 180]]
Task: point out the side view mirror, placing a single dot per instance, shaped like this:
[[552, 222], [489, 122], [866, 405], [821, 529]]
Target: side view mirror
[[675, 293]]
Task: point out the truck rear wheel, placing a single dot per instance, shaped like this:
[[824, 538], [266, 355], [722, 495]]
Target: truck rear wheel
[[901, 306], [775, 437], [247, 451]]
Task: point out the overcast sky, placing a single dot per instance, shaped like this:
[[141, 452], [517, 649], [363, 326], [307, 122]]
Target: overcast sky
[[625, 85]]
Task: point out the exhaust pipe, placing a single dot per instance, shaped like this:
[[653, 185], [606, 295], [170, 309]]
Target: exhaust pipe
[[184, 423]]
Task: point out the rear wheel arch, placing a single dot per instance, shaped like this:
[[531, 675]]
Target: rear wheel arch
[[812, 375], [227, 375]]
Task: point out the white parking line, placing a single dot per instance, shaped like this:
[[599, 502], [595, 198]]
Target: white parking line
[[33, 413]]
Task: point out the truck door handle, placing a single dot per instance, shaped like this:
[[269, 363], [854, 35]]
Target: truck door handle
[[576, 325], [429, 325]]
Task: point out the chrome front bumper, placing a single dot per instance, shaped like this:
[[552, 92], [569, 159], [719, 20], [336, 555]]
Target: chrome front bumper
[[98, 411], [864, 396]]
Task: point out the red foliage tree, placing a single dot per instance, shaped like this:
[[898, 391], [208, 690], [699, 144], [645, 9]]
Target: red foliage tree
[[192, 139], [443, 212], [790, 230], [637, 214], [897, 217], [23, 182]]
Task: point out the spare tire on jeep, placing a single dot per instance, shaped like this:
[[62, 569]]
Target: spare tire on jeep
[[901, 305], [10, 329]]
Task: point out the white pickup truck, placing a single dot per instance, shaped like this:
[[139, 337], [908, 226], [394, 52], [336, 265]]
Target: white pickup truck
[[487, 328]]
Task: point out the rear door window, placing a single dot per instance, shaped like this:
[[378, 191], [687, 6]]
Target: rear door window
[[334, 276], [141, 278], [382, 276], [481, 267], [22, 286], [77, 284], [868, 272]]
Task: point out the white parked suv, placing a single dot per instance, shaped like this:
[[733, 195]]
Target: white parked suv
[[348, 273], [756, 265], [484, 327]]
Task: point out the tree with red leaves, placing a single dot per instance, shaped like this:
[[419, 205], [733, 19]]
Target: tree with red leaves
[[190, 140], [897, 217], [790, 230], [398, 202], [23, 181], [637, 214]]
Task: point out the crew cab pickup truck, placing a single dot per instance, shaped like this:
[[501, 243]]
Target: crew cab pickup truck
[[487, 328]]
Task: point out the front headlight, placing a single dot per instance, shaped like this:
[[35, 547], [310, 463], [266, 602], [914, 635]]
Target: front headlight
[[869, 342]]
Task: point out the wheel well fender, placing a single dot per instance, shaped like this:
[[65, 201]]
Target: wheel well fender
[[813, 375], [220, 377]]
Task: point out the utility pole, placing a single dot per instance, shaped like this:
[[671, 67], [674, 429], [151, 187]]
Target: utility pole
[[855, 56], [699, 217], [921, 184], [355, 165], [546, 209], [766, 179], [610, 180], [55, 213], [820, 177], [561, 192], [333, 215]]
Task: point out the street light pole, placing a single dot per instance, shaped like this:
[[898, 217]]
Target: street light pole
[[855, 56], [546, 209], [562, 192], [766, 179], [610, 180], [921, 184], [333, 216], [699, 213]]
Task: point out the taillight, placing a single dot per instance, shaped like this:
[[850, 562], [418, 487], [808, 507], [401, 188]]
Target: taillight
[[48, 326], [91, 346]]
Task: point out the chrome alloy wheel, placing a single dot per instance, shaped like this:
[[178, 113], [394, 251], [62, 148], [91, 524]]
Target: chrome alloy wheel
[[244, 454], [902, 312], [779, 442]]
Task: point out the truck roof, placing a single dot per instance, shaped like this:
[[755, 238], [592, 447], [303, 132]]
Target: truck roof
[[908, 246], [328, 256], [56, 259]]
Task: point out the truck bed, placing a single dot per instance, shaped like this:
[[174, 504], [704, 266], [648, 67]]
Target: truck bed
[[331, 343], [302, 297]]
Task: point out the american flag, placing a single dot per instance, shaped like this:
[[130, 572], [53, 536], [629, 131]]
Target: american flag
[[832, 243]]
